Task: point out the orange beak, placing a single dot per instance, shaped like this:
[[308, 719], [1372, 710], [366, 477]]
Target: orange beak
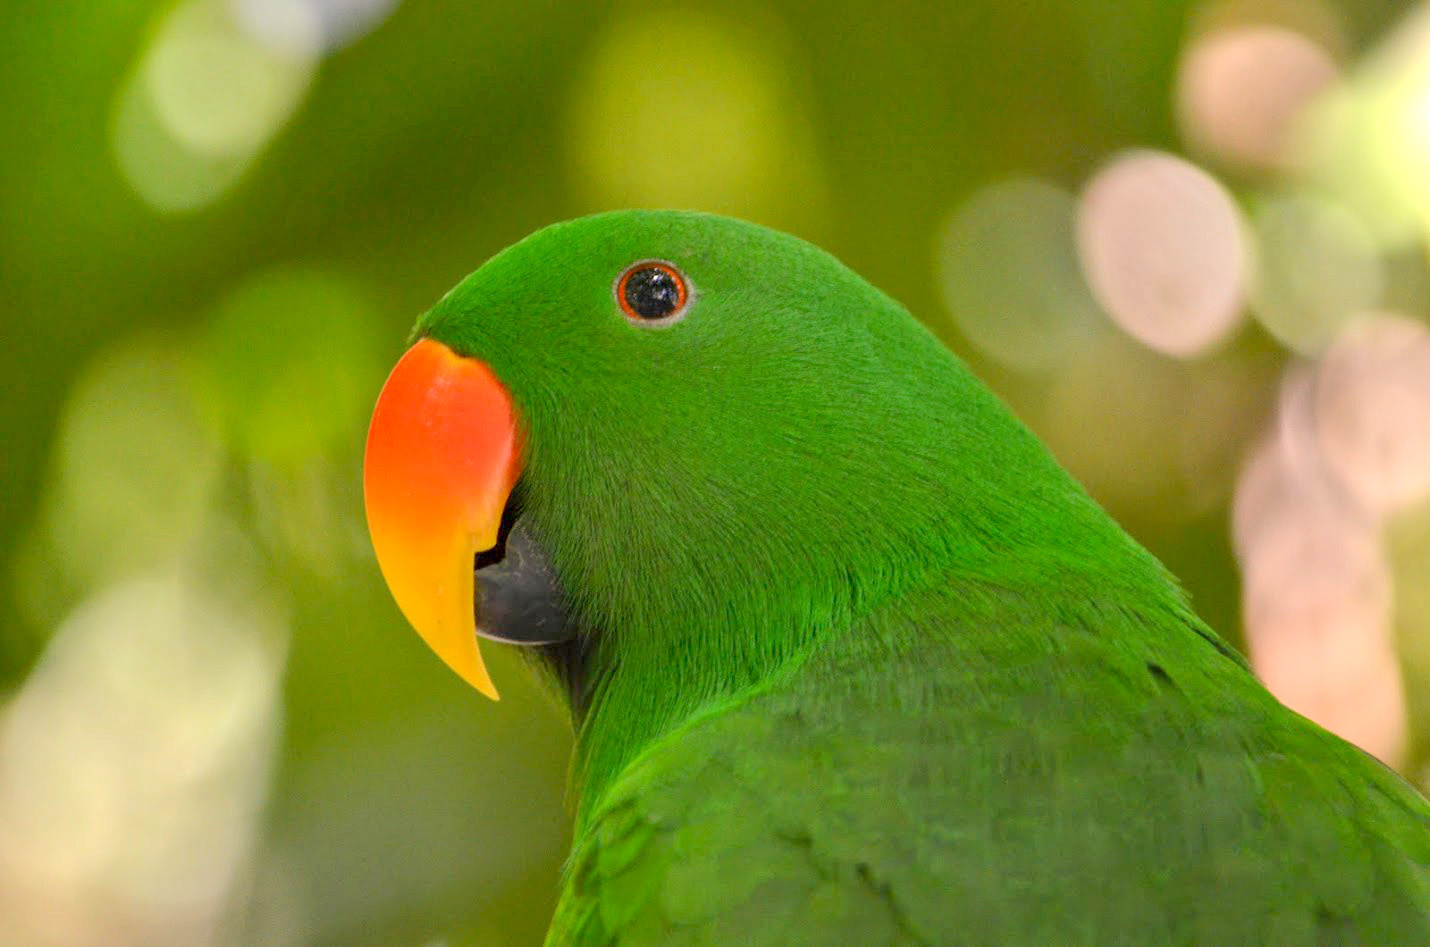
[[443, 453]]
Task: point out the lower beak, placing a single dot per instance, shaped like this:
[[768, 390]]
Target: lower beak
[[443, 453]]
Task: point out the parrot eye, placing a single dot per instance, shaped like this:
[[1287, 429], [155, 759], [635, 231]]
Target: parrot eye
[[652, 292]]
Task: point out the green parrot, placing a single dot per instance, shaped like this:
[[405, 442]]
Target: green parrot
[[850, 658]]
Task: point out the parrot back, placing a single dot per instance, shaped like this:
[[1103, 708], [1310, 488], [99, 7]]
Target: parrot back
[[933, 776]]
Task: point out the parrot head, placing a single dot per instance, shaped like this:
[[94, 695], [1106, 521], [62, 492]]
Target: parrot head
[[667, 449]]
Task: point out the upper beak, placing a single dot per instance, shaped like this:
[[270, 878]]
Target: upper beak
[[443, 453]]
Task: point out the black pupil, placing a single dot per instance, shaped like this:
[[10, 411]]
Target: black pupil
[[652, 292]]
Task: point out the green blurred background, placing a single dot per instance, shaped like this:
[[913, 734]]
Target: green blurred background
[[1185, 241]]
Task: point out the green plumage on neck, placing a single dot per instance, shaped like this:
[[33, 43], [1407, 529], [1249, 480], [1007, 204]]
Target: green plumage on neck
[[857, 651]]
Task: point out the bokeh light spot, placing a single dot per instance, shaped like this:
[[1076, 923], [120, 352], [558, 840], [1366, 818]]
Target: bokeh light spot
[[1009, 271], [1117, 416], [1369, 140], [1318, 265], [203, 100], [1162, 246], [1242, 91], [164, 173], [1372, 411], [134, 763], [214, 89], [687, 109], [300, 28], [136, 470], [293, 365], [1316, 601]]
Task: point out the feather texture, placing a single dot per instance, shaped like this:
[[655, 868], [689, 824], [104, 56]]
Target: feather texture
[[955, 774]]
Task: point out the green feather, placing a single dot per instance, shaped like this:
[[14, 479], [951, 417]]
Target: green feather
[[861, 663]]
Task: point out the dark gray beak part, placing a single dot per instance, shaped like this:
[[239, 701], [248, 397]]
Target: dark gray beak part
[[519, 598]]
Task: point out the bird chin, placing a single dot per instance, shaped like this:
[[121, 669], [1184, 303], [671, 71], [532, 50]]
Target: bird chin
[[518, 596]]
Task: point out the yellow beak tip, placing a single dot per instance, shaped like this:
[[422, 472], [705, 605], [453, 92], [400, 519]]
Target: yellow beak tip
[[485, 685], [456, 644]]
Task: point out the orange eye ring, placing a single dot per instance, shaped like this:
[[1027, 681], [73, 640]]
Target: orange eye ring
[[652, 292]]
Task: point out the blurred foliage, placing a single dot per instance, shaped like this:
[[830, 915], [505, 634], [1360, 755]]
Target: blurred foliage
[[218, 219]]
